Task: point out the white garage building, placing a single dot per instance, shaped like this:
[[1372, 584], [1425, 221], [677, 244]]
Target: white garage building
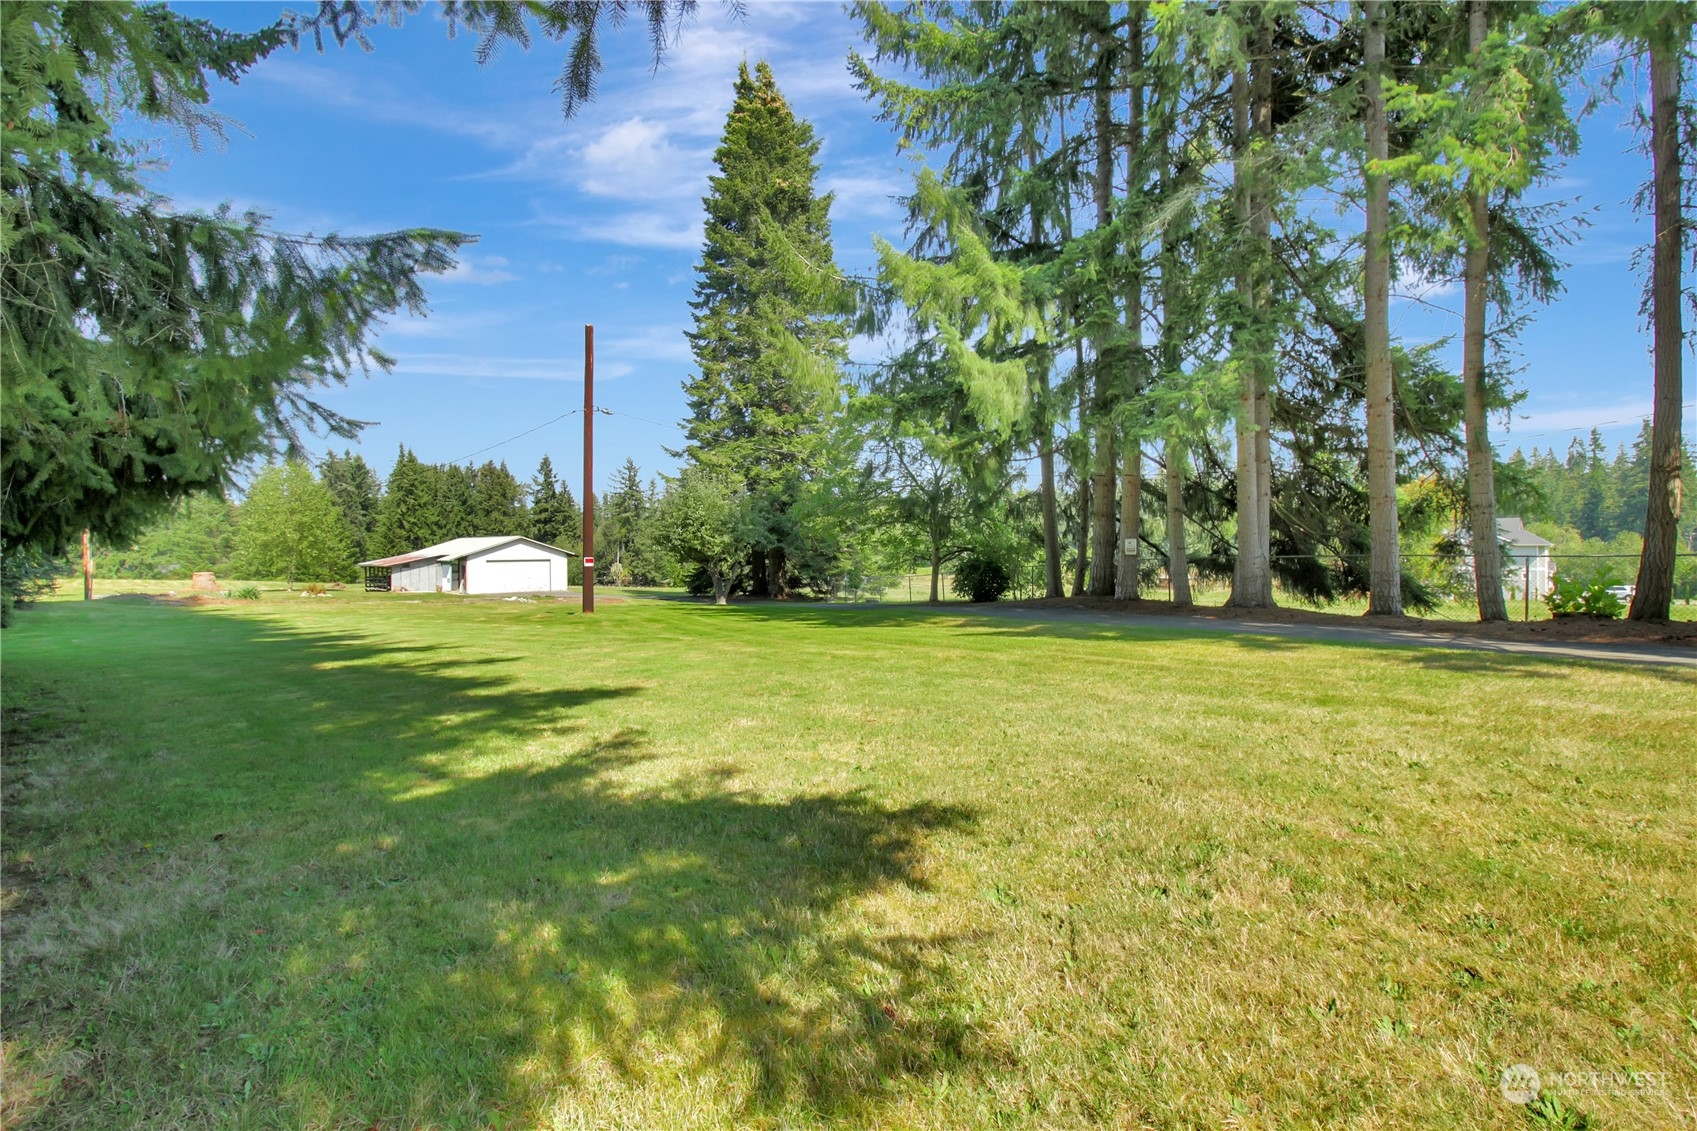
[[498, 564]]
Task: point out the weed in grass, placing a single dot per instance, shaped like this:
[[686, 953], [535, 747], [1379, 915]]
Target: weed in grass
[[1547, 1113]]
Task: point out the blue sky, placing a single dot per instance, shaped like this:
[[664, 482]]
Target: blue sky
[[598, 220]]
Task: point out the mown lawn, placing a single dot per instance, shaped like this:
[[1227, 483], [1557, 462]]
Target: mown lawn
[[421, 862]]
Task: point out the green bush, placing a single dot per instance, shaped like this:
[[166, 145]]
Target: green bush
[[24, 576], [246, 593], [979, 578], [1571, 597]]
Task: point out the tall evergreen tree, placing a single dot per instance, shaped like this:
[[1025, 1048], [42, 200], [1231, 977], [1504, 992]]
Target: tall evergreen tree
[[455, 492], [766, 339], [497, 502], [149, 351], [554, 514], [1664, 32], [410, 515], [357, 492], [621, 515]]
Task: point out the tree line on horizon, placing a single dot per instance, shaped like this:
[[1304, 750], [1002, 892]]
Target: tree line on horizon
[[1115, 270], [296, 522]]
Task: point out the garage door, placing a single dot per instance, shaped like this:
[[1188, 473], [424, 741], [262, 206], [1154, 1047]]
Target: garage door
[[513, 576]]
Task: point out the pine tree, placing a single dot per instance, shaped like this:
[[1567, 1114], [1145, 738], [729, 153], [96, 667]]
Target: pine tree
[[410, 515], [357, 492], [763, 312], [554, 514], [622, 512], [455, 489], [149, 351], [1663, 31], [497, 502]]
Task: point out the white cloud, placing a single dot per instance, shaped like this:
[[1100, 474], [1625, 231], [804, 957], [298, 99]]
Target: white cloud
[[613, 265], [482, 272], [657, 343], [383, 102], [866, 192], [670, 231], [1413, 284], [636, 157], [479, 366], [447, 325]]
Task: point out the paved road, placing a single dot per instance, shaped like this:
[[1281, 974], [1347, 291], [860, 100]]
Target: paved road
[[1667, 654]]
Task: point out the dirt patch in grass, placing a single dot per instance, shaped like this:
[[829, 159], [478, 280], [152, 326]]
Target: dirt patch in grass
[[1577, 629]]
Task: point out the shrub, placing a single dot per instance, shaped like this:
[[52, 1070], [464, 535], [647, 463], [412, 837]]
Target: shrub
[[1571, 597], [315, 589], [980, 578], [246, 593], [24, 576]]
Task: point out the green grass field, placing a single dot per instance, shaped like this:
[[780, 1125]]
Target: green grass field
[[393, 862]]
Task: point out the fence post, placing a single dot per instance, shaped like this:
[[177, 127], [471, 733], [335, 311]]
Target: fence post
[[1526, 593]]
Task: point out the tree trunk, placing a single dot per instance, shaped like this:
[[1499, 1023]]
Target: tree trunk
[[1131, 473], [1131, 505], [1252, 107], [1040, 368], [936, 575], [777, 567], [1481, 458], [1051, 515], [1386, 561], [1653, 598], [760, 582], [1178, 558], [1082, 563], [1102, 519], [1102, 555]]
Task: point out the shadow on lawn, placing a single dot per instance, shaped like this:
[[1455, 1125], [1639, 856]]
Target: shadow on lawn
[[445, 936], [985, 622]]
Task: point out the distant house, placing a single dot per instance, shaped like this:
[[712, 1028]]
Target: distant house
[[1527, 565], [498, 564]]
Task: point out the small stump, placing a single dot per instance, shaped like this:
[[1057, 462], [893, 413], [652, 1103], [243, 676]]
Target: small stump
[[204, 582]]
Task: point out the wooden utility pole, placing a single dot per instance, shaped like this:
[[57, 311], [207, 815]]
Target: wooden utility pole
[[87, 569], [589, 469]]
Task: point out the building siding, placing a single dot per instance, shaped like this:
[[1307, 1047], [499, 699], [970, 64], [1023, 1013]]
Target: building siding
[[416, 577], [484, 574]]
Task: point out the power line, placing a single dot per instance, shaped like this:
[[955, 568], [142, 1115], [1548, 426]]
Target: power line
[[1510, 434], [633, 416], [600, 410], [520, 436]]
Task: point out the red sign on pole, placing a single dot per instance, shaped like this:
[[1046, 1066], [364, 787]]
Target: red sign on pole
[[589, 563]]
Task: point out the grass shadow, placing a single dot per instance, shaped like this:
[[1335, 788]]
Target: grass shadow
[[1484, 658], [383, 886]]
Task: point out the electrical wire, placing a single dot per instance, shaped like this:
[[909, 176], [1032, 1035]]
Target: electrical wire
[[1509, 433], [520, 436], [633, 416]]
